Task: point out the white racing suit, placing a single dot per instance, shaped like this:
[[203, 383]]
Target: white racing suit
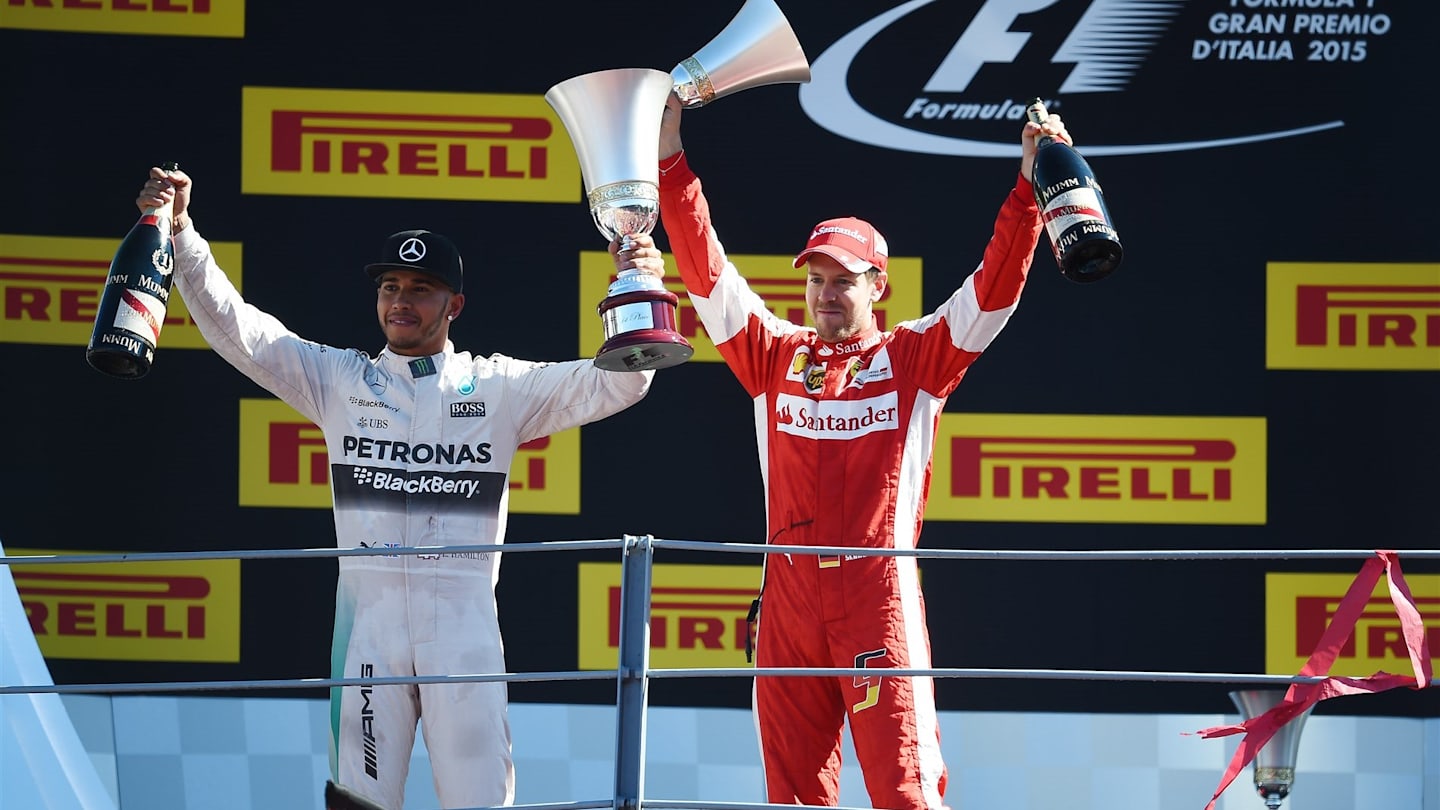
[[420, 452]]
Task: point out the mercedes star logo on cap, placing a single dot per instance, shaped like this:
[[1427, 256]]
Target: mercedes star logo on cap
[[413, 250]]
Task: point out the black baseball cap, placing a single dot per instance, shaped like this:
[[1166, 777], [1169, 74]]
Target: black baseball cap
[[423, 252]]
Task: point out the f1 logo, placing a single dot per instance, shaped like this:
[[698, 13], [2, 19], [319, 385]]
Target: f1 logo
[[1100, 58]]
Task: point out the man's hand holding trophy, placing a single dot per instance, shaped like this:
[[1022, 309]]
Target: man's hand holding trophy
[[613, 119]]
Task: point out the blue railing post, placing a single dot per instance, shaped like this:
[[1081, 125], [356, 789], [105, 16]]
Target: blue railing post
[[634, 672]]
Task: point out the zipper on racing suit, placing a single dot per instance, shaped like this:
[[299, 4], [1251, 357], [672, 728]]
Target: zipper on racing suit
[[754, 615]]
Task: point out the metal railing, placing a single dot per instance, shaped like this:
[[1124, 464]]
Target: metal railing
[[633, 672]]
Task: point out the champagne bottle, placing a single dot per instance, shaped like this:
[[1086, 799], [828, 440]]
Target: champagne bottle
[[136, 293], [1072, 205]]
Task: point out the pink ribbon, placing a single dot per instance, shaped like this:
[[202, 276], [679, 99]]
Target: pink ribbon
[[1301, 696]]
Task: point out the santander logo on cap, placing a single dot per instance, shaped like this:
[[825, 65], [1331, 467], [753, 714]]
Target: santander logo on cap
[[850, 232], [853, 242]]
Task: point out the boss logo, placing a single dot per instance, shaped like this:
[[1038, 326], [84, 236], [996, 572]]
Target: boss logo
[[467, 409]]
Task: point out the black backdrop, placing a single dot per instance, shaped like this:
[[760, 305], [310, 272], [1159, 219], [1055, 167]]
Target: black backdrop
[[1179, 330]]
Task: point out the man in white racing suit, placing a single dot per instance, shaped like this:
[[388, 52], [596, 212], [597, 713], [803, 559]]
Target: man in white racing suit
[[420, 442]]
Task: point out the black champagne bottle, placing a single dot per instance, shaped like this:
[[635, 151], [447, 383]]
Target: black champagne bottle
[[1072, 205], [136, 293]]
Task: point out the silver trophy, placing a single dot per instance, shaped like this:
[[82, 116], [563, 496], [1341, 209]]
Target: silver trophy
[[757, 47], [1275, 761], [613, 117]]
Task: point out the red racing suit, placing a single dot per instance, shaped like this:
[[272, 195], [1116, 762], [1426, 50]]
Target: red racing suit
[[846, 433]]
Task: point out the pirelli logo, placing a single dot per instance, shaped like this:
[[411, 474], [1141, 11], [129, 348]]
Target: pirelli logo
[[771, 277], [50, 288], [697, 614], [362, 143], [181, 18], [284, 462], [1106, 469], [1299, 607], [1353, 316], [134, 611]]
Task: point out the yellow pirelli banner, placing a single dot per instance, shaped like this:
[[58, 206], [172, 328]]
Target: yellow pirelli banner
[[181, 18], [697, 614], [51, 287], [771, 277], [132, 611], [283, 462], [1099, 469], [328, 142], [1352, 316], [1299, 607]]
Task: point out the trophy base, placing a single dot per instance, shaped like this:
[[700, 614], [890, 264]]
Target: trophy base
[[643, 350], [639, 321]]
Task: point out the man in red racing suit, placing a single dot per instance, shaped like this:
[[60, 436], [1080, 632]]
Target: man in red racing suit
[[846, 416]]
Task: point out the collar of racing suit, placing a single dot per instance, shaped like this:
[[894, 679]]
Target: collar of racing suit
[[415, 367], [851, 345]]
